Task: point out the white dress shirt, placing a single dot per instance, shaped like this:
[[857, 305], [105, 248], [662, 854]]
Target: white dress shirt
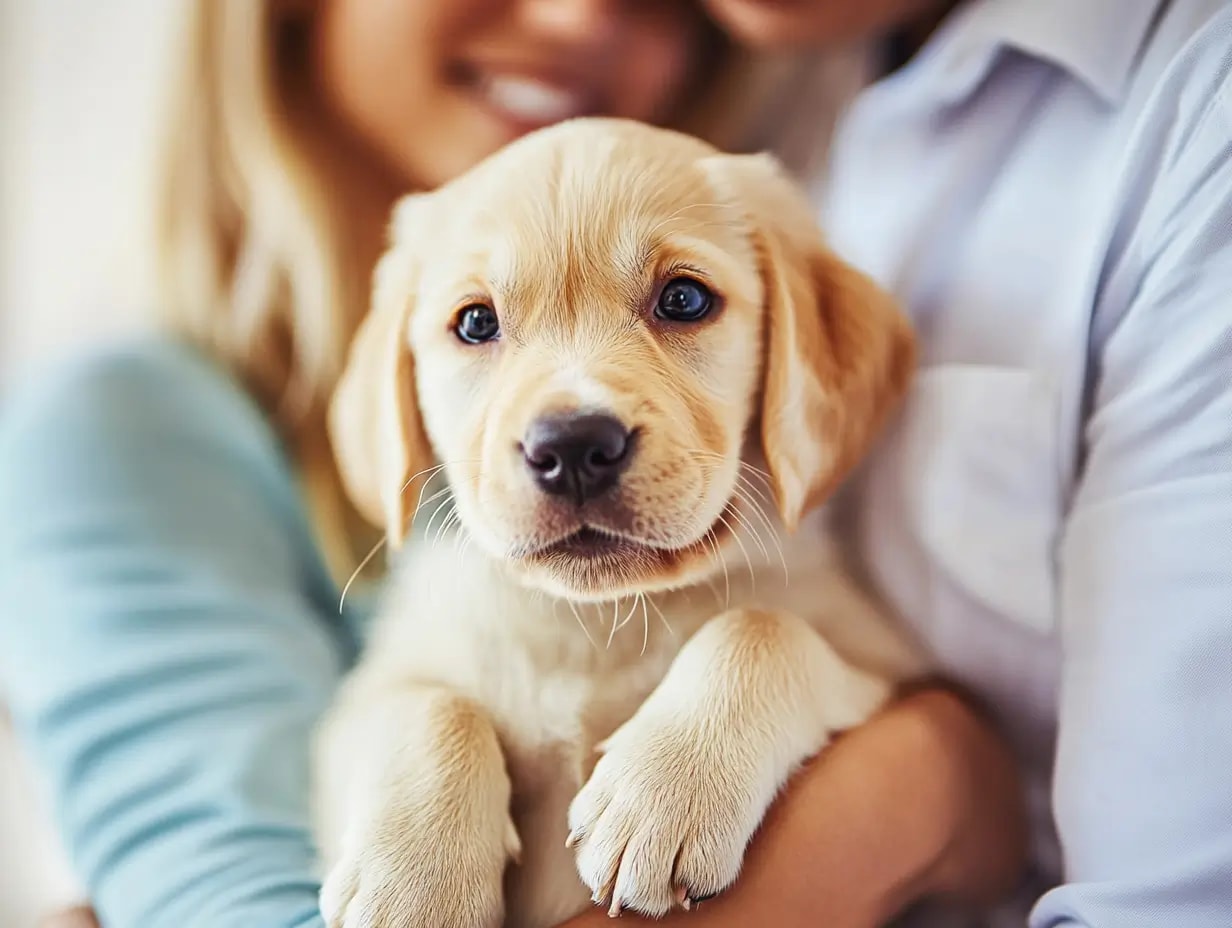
[[1047, 186]]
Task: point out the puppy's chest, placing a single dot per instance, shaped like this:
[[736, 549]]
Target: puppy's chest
[[550, 723], [555, 679], [550, 736]]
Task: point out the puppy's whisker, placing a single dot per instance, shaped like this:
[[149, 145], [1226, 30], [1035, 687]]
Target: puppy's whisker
[[744, 491], [747, 526], [450, 520], [711, 461], [754, 488], [431, 499], [450, 509], [421, 502], [745, 465], [444, 491], [755, 511], [718, 556], [778, 544], [743, 550], [662, 617], [645, 623], [618, 625], [582, 624], [428, 471], [770, 530], [741, 465], [463, 541], [357, 571], [432, 518], [629, 615]]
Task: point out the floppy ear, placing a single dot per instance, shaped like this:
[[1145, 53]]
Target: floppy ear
[[838, 355], [374, 424]]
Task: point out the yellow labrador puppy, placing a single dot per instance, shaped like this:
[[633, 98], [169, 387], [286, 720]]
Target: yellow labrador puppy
[[637, 371]]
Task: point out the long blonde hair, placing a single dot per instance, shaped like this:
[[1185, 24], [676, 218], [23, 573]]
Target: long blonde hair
[[266, 240]]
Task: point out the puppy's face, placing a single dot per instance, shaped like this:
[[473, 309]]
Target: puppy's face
[[589, 332]]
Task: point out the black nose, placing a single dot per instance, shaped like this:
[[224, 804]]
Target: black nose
[[579, 456]]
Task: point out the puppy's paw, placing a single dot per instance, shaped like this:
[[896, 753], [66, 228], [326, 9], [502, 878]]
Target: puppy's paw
[[420, 872], [666, 815]]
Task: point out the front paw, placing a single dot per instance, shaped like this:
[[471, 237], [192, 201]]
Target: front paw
[[420, 871], [667, 814]]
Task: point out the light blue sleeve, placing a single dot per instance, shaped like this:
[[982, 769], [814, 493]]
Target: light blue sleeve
[[1143, 782], [165, 638]]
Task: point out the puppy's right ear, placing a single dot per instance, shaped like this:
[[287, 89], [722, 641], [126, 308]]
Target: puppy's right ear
[[374, 422]]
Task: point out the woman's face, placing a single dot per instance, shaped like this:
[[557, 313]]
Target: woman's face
[[433, 86], [772, 23]]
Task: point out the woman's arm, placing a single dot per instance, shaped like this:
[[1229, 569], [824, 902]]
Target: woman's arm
[[923, 801], [1143, 783], [163, 641]]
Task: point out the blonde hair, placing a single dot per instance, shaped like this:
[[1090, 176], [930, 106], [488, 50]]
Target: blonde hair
[[266, 241]]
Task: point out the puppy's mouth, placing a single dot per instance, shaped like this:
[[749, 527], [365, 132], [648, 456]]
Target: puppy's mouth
[[593, 560], [591, 544]]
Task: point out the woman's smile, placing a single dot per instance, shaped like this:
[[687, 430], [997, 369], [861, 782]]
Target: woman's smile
[[525, 98]]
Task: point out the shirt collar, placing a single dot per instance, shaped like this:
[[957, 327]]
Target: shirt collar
[[1097, 42]]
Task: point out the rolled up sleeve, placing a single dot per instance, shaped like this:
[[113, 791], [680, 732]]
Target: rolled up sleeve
[[1143, 780], [164, 642]]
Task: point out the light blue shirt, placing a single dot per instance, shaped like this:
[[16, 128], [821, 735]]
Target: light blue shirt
[[1049, 188], [168, 638]]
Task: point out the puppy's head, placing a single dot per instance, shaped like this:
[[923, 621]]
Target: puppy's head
[[590, 332]]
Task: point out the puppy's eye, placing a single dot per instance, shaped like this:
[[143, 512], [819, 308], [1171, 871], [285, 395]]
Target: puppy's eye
[[477, 323], [683, 299]]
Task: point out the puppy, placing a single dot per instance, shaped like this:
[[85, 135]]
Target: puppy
[[635, 372]]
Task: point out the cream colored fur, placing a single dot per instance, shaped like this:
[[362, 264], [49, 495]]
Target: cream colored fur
[[648, 708]]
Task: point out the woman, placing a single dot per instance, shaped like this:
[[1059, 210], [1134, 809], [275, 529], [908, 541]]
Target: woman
[[1037, 182], [173, 538]]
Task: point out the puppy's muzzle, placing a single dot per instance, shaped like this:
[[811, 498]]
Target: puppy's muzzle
[[577, 456]]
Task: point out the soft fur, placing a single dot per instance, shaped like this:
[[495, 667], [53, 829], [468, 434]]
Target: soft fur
[[648, 705]]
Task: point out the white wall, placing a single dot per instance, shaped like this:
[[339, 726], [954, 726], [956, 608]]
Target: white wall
[[80, 90], [81, 86]]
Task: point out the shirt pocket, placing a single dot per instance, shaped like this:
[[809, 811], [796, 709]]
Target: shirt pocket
[[961, 504]]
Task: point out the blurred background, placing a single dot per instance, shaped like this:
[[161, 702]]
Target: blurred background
[[80, 89]]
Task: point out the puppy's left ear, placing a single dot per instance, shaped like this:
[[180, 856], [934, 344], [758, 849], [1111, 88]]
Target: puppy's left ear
[[838, 354], [374, 422]]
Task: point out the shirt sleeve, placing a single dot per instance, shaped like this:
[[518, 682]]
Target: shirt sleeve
[[1143, 781], [164, 643]]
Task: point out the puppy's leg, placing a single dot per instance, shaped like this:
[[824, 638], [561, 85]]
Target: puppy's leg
[[681, 786], [420, 822]]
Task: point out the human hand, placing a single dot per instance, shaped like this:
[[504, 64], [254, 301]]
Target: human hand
[[81, 916]]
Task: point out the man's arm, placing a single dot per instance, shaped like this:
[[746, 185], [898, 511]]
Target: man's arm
[[1143, 784]]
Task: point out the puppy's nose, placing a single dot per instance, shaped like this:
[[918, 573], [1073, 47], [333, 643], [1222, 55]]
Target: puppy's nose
[[579, 456]]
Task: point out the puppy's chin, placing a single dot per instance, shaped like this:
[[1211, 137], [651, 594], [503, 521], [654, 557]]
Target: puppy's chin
[[593, 565]]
